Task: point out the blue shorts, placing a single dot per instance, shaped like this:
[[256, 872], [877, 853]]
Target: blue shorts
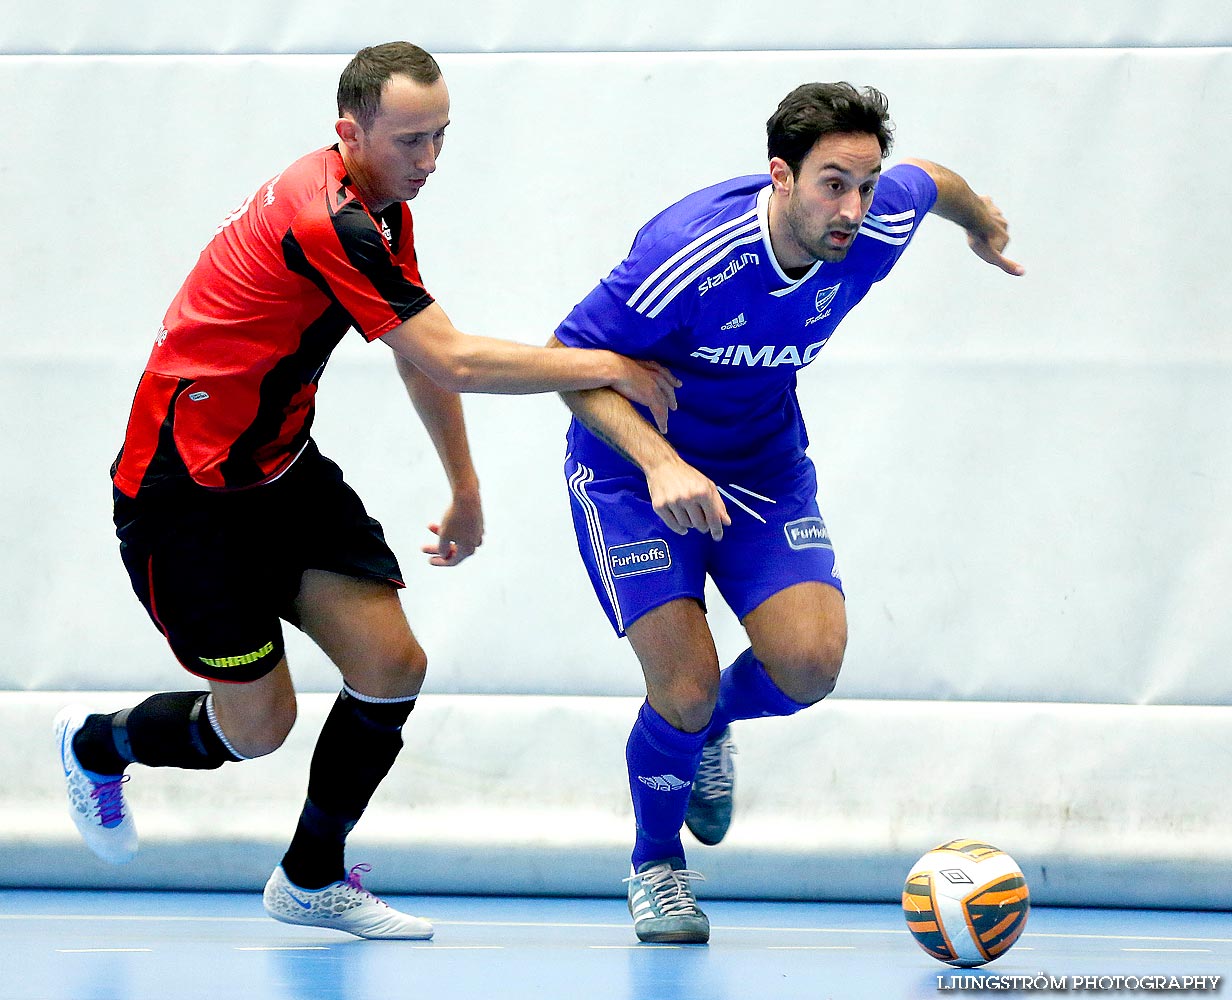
[[777, 538]]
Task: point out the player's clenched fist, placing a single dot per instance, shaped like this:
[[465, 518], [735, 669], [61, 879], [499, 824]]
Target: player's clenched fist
[[685, 499]]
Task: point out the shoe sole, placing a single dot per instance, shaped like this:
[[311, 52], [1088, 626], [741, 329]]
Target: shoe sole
[[707, 840], [671, 937], [425, 933], [674, 937], [325, 925]]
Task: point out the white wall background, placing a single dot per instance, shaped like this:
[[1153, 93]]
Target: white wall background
[[1029, 481]]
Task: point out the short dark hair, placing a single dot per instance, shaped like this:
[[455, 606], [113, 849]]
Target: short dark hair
[[814, 110], [361, 83]]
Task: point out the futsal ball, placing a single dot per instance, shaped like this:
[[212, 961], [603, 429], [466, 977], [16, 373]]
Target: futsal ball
[[966, 902]]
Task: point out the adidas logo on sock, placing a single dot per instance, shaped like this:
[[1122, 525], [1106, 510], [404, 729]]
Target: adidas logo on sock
[[663, 782]]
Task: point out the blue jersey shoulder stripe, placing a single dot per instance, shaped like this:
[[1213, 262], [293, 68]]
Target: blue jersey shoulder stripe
[[898, 217], [880, 227], [683, 258], [902, 227], [724, 250]]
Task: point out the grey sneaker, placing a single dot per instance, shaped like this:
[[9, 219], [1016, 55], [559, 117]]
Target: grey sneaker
[[710, 803], [96, 802], [663, 906], [341, 906]]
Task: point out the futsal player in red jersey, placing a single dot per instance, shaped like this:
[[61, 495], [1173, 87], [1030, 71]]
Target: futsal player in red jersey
[[231, 521]]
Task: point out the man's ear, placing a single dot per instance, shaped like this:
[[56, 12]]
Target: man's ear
[[781, 175], [348, 131]]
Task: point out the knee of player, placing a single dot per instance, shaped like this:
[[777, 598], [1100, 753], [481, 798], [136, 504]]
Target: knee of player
[[825, 661], [281, 724], [404, 669], [690, 702], [395, 671], [811, 670], [260, 737]]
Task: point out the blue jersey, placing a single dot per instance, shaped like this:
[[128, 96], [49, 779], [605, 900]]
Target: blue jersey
[[702, 293]]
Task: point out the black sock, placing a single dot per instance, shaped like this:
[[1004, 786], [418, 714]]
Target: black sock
[[165, 730], [357, 746]]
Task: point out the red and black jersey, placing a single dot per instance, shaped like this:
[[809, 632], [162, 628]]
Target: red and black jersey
[[226, 400]]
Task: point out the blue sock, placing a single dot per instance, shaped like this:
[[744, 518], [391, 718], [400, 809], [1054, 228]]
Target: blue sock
[[746, 691], [662, 762]]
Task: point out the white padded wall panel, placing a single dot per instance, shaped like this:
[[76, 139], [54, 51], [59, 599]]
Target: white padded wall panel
[[1027, 479], [553, 161], [223, 26], [1100, 805]]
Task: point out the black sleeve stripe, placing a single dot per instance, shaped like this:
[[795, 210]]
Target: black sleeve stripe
[[297, 263], [369, 255]]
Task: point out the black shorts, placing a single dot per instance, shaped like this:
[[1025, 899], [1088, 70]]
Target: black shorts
[[217, 571]]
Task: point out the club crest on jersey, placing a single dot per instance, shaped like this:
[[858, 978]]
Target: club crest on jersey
[[822, 302], [635, 558], [807, 533]]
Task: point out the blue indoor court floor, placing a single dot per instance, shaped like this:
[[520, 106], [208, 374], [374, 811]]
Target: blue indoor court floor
[[60, 945]]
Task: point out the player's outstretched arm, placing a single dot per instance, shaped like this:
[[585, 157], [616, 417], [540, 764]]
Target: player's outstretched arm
[[460, 530], [461, 362], [987, 231], [679, 493]]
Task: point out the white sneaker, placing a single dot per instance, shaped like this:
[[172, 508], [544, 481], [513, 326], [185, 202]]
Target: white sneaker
[[341, 906], [97, 807]]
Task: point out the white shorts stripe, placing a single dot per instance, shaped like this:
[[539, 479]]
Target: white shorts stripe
[[577, 486]]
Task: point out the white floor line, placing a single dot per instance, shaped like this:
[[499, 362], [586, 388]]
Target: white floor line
[[116, 918]]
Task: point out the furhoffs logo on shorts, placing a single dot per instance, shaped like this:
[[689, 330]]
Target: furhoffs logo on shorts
[[807, 533], [649, 556]]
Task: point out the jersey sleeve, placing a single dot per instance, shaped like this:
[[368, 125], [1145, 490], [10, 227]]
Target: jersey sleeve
[[621, 314], [905, 195], [340, 249]]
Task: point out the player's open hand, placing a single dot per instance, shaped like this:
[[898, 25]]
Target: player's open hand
[[987, 244], [648, 383], [459, 533], [685, 499]]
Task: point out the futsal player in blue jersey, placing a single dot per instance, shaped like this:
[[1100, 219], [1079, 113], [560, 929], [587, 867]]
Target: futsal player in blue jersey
[[735, 289]]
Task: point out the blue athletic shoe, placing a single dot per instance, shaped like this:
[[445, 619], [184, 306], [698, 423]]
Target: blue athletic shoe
[[95, 801], [663, 906], [709, 812]]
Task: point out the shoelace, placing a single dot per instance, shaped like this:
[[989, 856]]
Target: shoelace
[[669, 889], [352, 879], [110, 799], [714, 777]]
